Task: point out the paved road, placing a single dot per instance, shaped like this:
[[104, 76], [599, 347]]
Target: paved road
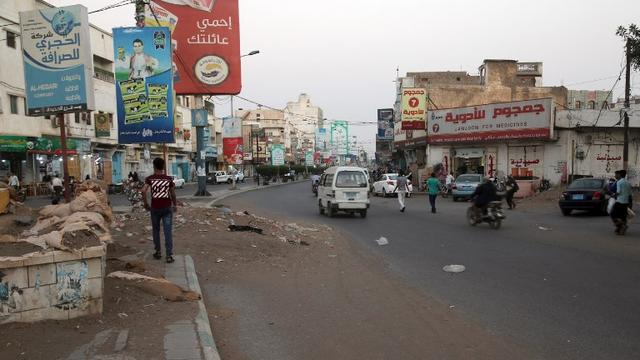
[[563, 288]]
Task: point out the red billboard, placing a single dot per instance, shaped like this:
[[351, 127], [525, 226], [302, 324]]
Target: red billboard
[[206, 41], [233, 150]]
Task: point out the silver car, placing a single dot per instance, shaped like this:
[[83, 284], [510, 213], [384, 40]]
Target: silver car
[[465, 185]]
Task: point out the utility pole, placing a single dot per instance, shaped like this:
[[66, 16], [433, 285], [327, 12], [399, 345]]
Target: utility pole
[[627, 94], [65, 164]]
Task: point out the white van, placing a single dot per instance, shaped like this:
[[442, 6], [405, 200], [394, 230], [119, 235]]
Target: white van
[[343, 188]]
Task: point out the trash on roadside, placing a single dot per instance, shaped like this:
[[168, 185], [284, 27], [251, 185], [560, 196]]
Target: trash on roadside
[[544, 228], [454, 268], [248, 228], [382, 241], [219, 260]]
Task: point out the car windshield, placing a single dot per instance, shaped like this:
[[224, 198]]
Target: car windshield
[[586, 184], [392, 176], [468, 179], [351, 179]]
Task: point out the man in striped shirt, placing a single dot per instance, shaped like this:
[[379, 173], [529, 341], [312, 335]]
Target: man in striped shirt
[[163, 205]]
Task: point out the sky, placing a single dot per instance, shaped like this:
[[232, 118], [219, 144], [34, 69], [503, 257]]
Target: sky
[[344, 53]]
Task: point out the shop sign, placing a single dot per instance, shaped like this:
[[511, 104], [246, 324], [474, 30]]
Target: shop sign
[[529, 119], [41, 145], [414, 108], [205, 38], [199, 117], [277, 154], [211, 152], [144, 87]]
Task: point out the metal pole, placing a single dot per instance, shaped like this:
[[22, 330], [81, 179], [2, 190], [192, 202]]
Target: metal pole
[[627, 93], [65, 165], [200, 155]]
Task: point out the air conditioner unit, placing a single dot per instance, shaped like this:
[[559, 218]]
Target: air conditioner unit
[[55, 122]]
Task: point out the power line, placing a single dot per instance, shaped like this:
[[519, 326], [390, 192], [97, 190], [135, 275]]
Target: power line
[[609, 94]]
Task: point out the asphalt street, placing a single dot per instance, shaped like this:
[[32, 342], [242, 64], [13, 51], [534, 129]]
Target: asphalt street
[[560, 287]]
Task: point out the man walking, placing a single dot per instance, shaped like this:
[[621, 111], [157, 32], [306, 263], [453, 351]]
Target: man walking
[[401, 188], [512, 189], [14, 182], [163, 205], [623, 200], [433, 188]]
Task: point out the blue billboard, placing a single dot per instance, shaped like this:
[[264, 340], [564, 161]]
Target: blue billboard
[[144, 85]]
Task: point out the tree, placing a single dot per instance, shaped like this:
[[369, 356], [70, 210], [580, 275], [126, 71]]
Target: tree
[[632, 34]]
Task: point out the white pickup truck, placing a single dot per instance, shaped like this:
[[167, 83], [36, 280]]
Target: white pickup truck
[[219, 177]]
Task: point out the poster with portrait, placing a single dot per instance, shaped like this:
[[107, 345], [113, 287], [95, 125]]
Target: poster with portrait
[[144, 86]]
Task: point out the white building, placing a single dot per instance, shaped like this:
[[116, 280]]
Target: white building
[[302, 119]]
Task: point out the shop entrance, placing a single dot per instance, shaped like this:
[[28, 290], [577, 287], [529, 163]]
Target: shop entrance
[[468, 161]]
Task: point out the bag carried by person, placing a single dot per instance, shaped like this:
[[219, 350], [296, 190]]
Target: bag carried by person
[[610, 204], [630, 214]]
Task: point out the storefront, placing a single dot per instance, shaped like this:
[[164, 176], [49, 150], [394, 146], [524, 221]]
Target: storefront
[[493, 140]]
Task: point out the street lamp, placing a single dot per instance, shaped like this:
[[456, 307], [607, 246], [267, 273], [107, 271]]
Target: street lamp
[[254, 52]]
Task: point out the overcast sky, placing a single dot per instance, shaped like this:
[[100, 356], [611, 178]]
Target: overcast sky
[[344, 53]]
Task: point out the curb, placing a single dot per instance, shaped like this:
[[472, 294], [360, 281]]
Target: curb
[[242, 191], [203, 326]]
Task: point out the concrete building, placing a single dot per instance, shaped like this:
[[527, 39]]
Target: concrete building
[[261, 128], [589, 99], [498, 81], [29, 146], [302, 119]]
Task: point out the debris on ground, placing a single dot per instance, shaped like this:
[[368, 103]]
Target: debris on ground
[[156, 286], [382, 241], [543, 228], [249, 228], [454, 268]]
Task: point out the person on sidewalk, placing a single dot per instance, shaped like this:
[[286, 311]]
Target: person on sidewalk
[[448, 181], [623, 198], [433, 188], [163, 205], [401, 188], [512, 189], [14, 182]]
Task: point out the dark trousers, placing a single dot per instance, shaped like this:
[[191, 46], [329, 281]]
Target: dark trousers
[[432, 202], [509, 198], [166, 215], [619, 215]]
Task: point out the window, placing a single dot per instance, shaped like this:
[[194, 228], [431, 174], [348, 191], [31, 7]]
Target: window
[[88, 119], [13, 103], [77, 117], [111, 120], [11, 39], [351, 179], [605, 105], [591, 105], [578, 105], [24, 102], [328, 180]]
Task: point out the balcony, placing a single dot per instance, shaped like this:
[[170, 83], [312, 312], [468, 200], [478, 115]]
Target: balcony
[[103, 75]]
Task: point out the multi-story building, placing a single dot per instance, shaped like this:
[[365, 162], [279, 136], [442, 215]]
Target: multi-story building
[[261, 128], [30, 146], [302, 119], [589, 99]]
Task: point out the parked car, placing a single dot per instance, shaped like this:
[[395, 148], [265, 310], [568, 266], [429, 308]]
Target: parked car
[[178, 182], [387, 184], [239, 176], [290, 175], [343, 188], [584, 194], [464, 186], [219, 177]]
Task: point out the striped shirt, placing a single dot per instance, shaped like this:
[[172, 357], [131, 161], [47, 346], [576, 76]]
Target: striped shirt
[[160, 186]]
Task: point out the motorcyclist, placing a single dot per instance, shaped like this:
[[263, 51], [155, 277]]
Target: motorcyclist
[[484, 194]]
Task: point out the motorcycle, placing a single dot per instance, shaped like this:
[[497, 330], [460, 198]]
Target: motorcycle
[[314, 188], [492, 214]]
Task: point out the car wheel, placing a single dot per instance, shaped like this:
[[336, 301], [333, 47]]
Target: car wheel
[[495, 224], [330, 211], [455, 199], [384, 192], [363, 213], [566, 212], [320, 208]]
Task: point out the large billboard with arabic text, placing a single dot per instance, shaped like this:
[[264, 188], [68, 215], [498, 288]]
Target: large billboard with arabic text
[[58, 65], [206, 40], [530, 119], [413, 108]]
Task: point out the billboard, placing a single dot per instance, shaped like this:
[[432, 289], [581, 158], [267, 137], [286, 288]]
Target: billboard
[[206, 40], [102, 124], [529, 119], [144, 90], [385, 124], [414, 108], [308, 158], [277, 154], [340, 137], [58, 64], [322, 142], [232, 143]]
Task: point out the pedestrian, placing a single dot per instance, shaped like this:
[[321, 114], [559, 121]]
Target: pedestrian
[[512, 189], [433, 188], [449, 182], [57, 186], [135, 177], [163, 206], [623, 199], [87, 178], [14, 182], [401, 188]]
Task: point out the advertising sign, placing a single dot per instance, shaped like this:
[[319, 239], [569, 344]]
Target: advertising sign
[[58, 64], [308, 158], [277, 154], [232, 144], [385, 124], [103, 127], [340, 137], [322, 142], [199, 117], [206, 39], [529, 119], [144, 90], [414, 108]]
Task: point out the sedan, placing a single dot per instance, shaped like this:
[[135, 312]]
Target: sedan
[[239, 177], [584, 194], [178, 182], [465, 185], [387, 184]]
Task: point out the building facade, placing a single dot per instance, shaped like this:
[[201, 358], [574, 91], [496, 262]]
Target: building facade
[[302, 118]]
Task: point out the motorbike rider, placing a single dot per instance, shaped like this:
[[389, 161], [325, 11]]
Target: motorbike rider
[[484, 194]]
